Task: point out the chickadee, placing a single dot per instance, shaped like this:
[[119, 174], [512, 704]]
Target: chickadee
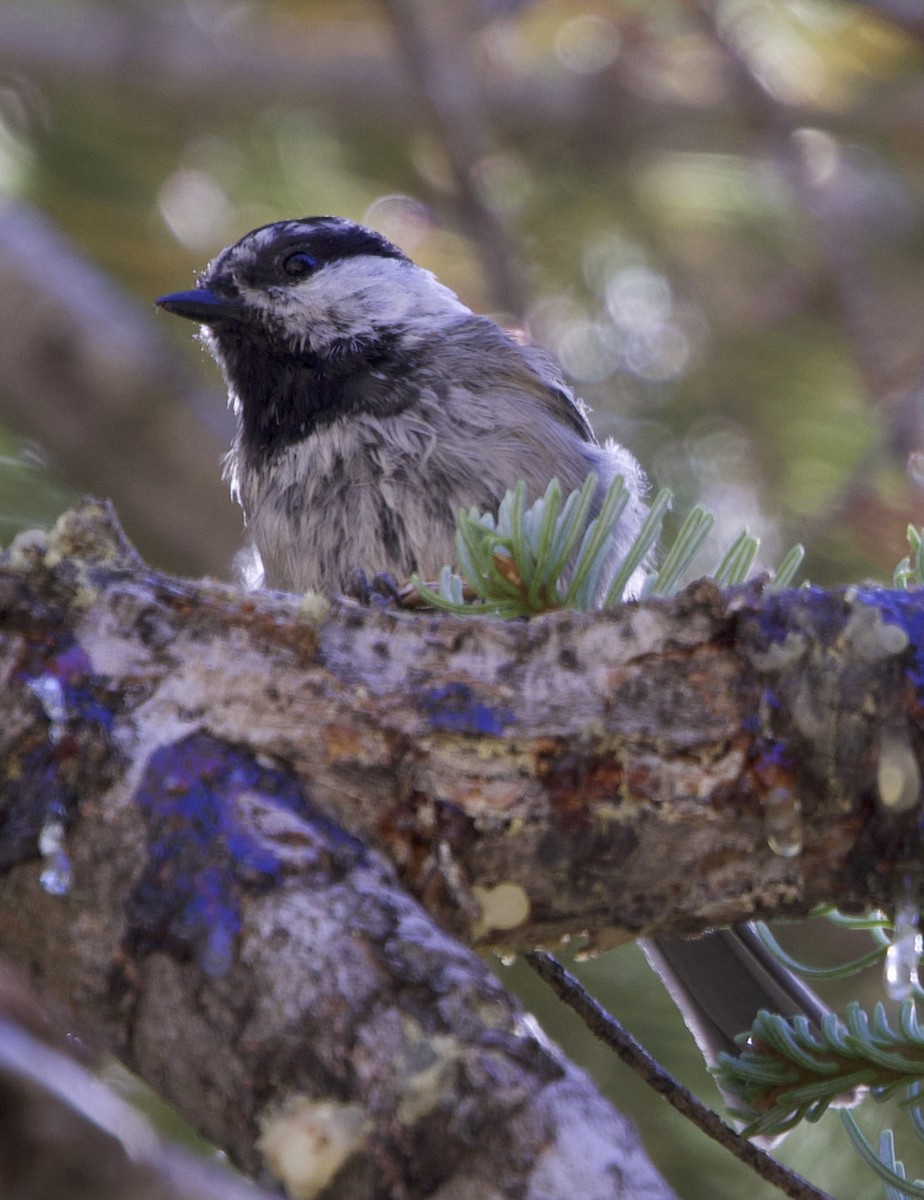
[[371, 405]]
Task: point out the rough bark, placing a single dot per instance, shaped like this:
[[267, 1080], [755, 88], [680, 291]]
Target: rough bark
[[622, 771], [232, 794], [252, 959]]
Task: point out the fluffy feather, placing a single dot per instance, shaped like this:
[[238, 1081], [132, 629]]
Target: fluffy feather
[[372, 404]]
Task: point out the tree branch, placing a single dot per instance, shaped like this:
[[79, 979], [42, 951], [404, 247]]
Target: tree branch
[[238, 948], [197, 787], [613, 772]]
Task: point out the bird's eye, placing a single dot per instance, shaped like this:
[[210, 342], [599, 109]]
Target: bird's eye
[[299, 264]]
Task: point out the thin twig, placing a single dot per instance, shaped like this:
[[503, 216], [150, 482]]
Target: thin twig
[[605, 1027], [434, 42]]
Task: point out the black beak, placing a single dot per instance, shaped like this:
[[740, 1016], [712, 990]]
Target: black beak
[[204, 306]]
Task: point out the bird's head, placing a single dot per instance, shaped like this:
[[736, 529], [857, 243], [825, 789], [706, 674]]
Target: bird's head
[[318, 285]]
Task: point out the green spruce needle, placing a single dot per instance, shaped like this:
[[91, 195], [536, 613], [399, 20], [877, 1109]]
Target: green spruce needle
[[790, 1070], [693, 532], [737, 560], [556, 553]]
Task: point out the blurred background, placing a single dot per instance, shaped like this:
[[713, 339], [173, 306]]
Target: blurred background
[[712, 212]]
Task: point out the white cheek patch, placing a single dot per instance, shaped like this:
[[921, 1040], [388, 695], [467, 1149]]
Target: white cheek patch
[[354, 298]]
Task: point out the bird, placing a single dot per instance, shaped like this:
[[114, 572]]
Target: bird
[[371, 405]]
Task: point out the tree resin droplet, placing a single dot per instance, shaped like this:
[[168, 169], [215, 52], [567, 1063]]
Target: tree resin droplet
[[898, 776], [49, 693], [903, 956], [56, 875], [56, 870], [783, 821]]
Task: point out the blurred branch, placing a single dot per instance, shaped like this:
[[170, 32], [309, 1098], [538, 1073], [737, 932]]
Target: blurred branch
[[436, 45], [89, 377], [63, 1132], [812, 161], [339, 67], [838, 240], [223, 71], [907, 15]]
